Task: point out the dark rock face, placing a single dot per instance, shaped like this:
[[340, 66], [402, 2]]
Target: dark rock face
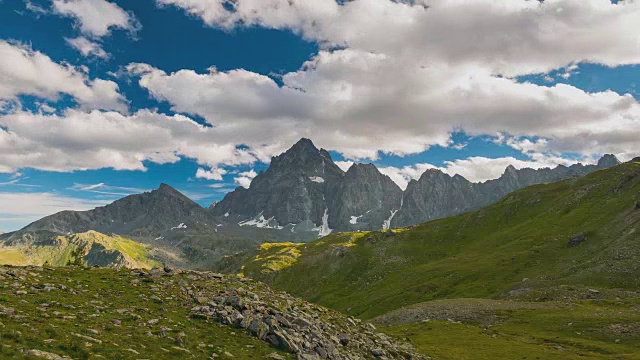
[[436, 195], [297, 189], [365, 199], [304, 189]]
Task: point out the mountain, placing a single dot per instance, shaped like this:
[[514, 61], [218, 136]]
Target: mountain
[[181, 232], [90, 248], [581, 233], [142, 215], [303, 191], [437, 195]]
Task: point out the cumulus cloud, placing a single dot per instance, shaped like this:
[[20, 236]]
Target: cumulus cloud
[[213, 174], [87, 47], [393, 76], [28, 72], [360, 103], [244, 178], [19, 209], [80, 140], [509, 37], [96, 18]]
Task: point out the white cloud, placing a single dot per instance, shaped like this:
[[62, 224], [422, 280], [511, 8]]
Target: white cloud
[[359, 103], [19, 209], [509, 37], [244, 178], [105, 189], [79, 140], [87, 47], [476, 168], [96, 18], [213, 174], [29, 72], [406, 74]]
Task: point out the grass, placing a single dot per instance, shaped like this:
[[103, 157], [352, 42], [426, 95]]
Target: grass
[[585, 330], [109, 314], [513, 247], [60, 250]]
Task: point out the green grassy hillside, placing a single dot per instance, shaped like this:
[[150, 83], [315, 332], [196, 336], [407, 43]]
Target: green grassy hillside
[[89, 248], [540, 243], [89, 313]]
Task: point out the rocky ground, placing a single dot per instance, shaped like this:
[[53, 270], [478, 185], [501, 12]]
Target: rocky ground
[[93, 313]]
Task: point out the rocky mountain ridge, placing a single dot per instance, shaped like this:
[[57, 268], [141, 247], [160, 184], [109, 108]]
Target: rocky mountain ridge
[[304, 190]]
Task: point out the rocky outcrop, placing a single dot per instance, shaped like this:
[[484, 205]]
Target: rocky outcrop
[[294, 325]]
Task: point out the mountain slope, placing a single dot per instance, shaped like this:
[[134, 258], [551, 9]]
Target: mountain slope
[[574, 232], [90, 248], [364, 199], [437, 195], [142, 215]]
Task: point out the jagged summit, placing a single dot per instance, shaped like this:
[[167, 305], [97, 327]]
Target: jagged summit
[[608, 160]]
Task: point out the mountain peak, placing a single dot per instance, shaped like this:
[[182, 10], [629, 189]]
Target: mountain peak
[[510, 169], [303, 145], [608, 160], [166, 188]]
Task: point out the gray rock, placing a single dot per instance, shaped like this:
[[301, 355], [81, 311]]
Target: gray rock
[[577, 239]]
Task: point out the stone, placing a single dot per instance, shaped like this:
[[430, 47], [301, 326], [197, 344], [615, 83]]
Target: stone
[[577, 239], [377, 352], [344, 340], [275, 356], [46, 355]]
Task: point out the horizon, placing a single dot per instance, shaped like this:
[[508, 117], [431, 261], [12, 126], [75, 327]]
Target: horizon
[[105, 99], [398, 181]]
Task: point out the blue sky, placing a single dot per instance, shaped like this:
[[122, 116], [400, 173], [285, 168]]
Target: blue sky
[[317, 69]]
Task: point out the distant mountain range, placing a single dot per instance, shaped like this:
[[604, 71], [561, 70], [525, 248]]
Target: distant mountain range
[[304, 189], [301, 196]]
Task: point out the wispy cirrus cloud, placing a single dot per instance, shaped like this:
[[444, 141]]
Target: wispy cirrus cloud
[[104, 189]]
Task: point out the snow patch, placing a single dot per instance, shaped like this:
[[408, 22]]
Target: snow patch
[[316, 179], [387, 223], [261, 222], [226, 214], [181, 226], [354, 219], [324, 229]]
